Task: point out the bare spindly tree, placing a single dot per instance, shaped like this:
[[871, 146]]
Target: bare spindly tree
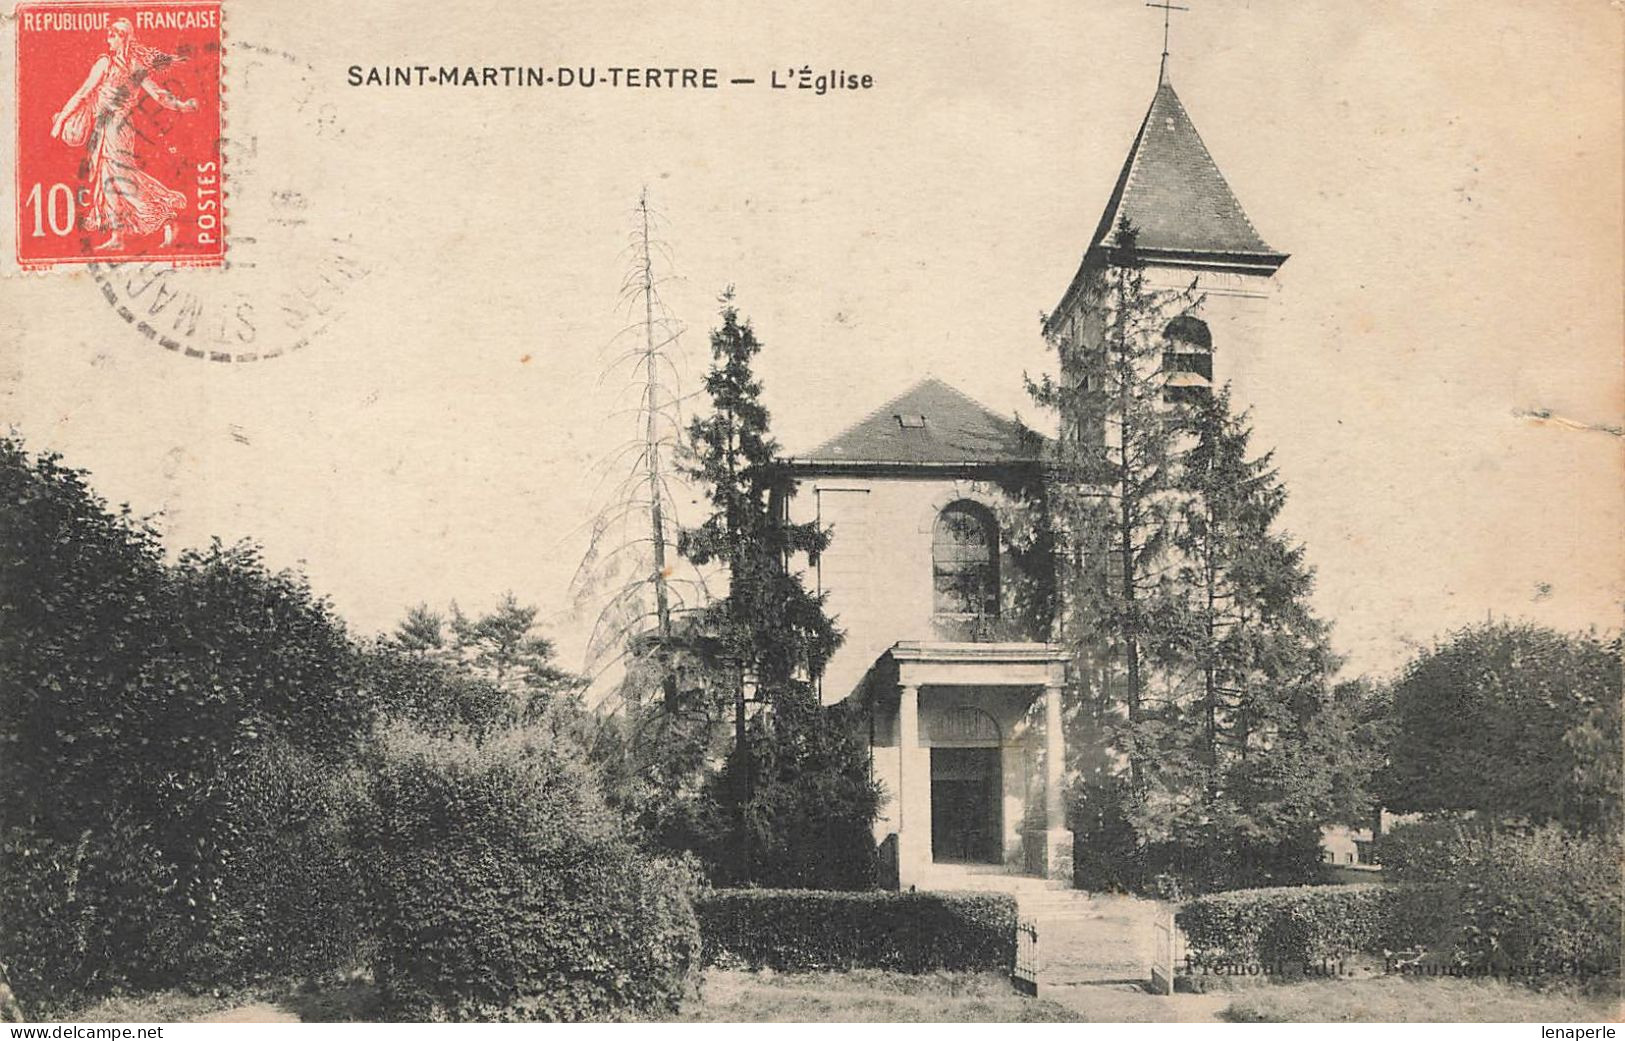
[[626, 577]]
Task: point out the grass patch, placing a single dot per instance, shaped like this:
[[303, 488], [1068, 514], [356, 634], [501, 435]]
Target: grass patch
[[876, 996], [727, 996], [866, 996], [349, 1000], [165, 1006], [1399, 999]]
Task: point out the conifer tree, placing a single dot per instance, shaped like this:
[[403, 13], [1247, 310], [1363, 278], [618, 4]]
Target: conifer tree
[[1225, 544], [1254, 754], [1197, 661], [658, 726], [767, 621], [795, 789], [1111, 494]]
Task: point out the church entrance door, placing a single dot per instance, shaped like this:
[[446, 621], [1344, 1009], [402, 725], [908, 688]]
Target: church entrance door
[[965, 824]]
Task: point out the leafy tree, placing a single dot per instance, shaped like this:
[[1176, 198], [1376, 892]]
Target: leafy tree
[[256, 653], [794, 782], [1512, 721], [134, 699], [82, 610], [82, 606], [255, 667]]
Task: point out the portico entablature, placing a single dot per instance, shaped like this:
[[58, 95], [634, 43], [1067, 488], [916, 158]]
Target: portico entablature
[[921, 663]]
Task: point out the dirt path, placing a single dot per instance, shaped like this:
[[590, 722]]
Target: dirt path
[[348, 1002], [1107, 1003], [260, 1012]]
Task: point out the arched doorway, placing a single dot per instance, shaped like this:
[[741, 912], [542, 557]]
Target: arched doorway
[[966, 786]]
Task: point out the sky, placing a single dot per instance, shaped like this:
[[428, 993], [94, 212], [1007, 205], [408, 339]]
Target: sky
[[1446, 177]]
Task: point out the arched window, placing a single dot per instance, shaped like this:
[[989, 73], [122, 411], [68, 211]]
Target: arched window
[[1187, 359], [965, 563]]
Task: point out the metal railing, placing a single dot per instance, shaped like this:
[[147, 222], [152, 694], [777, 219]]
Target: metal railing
[[1162, 953], [1028, 963]]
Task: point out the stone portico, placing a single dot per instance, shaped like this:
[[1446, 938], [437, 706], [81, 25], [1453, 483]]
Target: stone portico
[[961, 691], [966, 739]]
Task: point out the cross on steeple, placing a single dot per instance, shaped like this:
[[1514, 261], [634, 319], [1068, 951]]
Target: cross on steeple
[[1167, 11]]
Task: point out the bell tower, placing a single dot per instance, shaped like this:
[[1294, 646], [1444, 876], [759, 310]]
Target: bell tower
[[1190, 228]]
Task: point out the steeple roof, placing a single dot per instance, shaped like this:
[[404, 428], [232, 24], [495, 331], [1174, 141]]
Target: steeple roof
[[930, 425], [1180, 205], [1173, 193]]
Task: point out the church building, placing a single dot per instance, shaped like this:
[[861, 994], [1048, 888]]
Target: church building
[[962, 691]]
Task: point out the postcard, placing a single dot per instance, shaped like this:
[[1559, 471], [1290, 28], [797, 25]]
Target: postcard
[[1101, 511]]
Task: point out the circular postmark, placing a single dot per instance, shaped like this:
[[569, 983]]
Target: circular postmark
[[291, 258]]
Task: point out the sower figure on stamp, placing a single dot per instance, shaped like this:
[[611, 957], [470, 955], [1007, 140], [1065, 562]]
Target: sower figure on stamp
[[125, 199]]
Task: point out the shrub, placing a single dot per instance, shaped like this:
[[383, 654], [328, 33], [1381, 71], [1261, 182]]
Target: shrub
[[1539, 901], [503, 889], [796, 808], [1427, 850], [294, 900], [1542, 902], [1287, 928], [88, 914], [1219, 855], [435, 695], [1106, 852], [797, 930]]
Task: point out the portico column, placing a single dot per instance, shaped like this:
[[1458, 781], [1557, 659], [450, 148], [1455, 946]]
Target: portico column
[[1054, 760], [1057, 836], [914, 791]]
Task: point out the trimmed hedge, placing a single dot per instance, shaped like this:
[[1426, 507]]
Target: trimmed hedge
[[1293, 926], [794, 930]]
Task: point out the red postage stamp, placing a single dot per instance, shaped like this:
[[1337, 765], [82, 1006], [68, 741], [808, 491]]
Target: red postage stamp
[[118, 132]]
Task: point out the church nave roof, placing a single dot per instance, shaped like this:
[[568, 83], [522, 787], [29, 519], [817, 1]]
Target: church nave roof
[[930, 424]]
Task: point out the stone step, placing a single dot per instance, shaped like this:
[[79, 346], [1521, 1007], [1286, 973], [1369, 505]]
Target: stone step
[[1066, 915], [986, 878], [993, 883], [1068, 926], [1083, 939], [1088, 940], [1095, 972], [1104, 968], [1119, 956], [1096, 942], [1127, 976]]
